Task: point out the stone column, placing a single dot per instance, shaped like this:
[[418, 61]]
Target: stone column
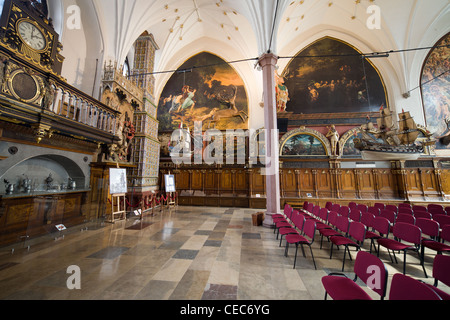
[[272, 172]]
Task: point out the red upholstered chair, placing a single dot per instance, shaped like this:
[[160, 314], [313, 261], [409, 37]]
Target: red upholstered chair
[[322, 221], [389, 214], [332, 218], [367, 219], [285, 216], [362, 207], [419, 208], [429, 228], [352, 205], [447, 210], [436, 207], [355, 215], [380, 206], [392, 208], [367, 268], [438, 246], [374, 210], [409, 238], [284, 222], [404, 288], [381, 229], [344, 211], [441, 267], [404, 205], [329, 205], [309, 231], [437, 212], [336, 207], [405, 210], [354, 236], [443, 220], [406, 218], [422, 215]]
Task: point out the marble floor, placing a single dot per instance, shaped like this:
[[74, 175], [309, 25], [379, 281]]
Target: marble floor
[[187, 253]]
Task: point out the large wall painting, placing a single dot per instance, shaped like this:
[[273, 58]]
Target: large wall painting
[[330, 76], [436, 90], [206, 89], [304, 143]]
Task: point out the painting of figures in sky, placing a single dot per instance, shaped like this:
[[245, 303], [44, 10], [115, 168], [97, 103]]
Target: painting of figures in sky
[[436, 91], [330, 76], [206, 89]]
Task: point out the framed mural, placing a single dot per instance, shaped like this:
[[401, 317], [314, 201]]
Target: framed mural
[[330, 76], [436, 91], [347, 144], [205, 88], [305, 142]]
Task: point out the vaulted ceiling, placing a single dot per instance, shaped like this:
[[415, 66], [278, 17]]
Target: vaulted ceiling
[[242, 29]]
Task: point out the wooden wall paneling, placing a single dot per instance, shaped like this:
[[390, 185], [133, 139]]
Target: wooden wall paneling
[[307, 184], [289, 183], [414, 184], [430, 185], [258, 183], [226, 183], [182, 180], [348, 184], [367, 185], [386, 184], [197, 180], [241, 180], [324, 184], [445, 182], [210, 182]]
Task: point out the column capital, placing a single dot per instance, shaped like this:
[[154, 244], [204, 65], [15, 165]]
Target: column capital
[[268, 59]]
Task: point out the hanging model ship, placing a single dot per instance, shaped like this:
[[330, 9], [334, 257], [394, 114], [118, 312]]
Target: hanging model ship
[[385, 142]]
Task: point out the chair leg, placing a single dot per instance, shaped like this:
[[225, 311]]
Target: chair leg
[[422, 262], [296, 250], [303, 251], [312, 255], [404, 262], [343, 261], [331, 251]]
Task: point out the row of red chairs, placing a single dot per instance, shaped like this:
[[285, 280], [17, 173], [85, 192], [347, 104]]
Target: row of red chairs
[[405, 207], [407, 234], [404, 288], [299, 228], [372, 271]]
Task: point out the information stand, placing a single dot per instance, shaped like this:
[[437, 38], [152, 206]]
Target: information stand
[[118, 191], [119, 206], [170, 190]]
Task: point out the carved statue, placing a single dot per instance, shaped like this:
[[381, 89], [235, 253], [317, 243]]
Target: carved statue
[[334, 138], [282, 94], [49, 95]]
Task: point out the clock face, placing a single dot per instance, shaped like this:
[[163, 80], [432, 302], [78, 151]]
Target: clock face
[[32, 36]]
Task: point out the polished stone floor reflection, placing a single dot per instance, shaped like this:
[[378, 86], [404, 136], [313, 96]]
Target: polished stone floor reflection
[[188, 253]]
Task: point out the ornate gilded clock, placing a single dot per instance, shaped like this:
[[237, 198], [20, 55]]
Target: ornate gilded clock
[[28, 32], [32, 35]]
